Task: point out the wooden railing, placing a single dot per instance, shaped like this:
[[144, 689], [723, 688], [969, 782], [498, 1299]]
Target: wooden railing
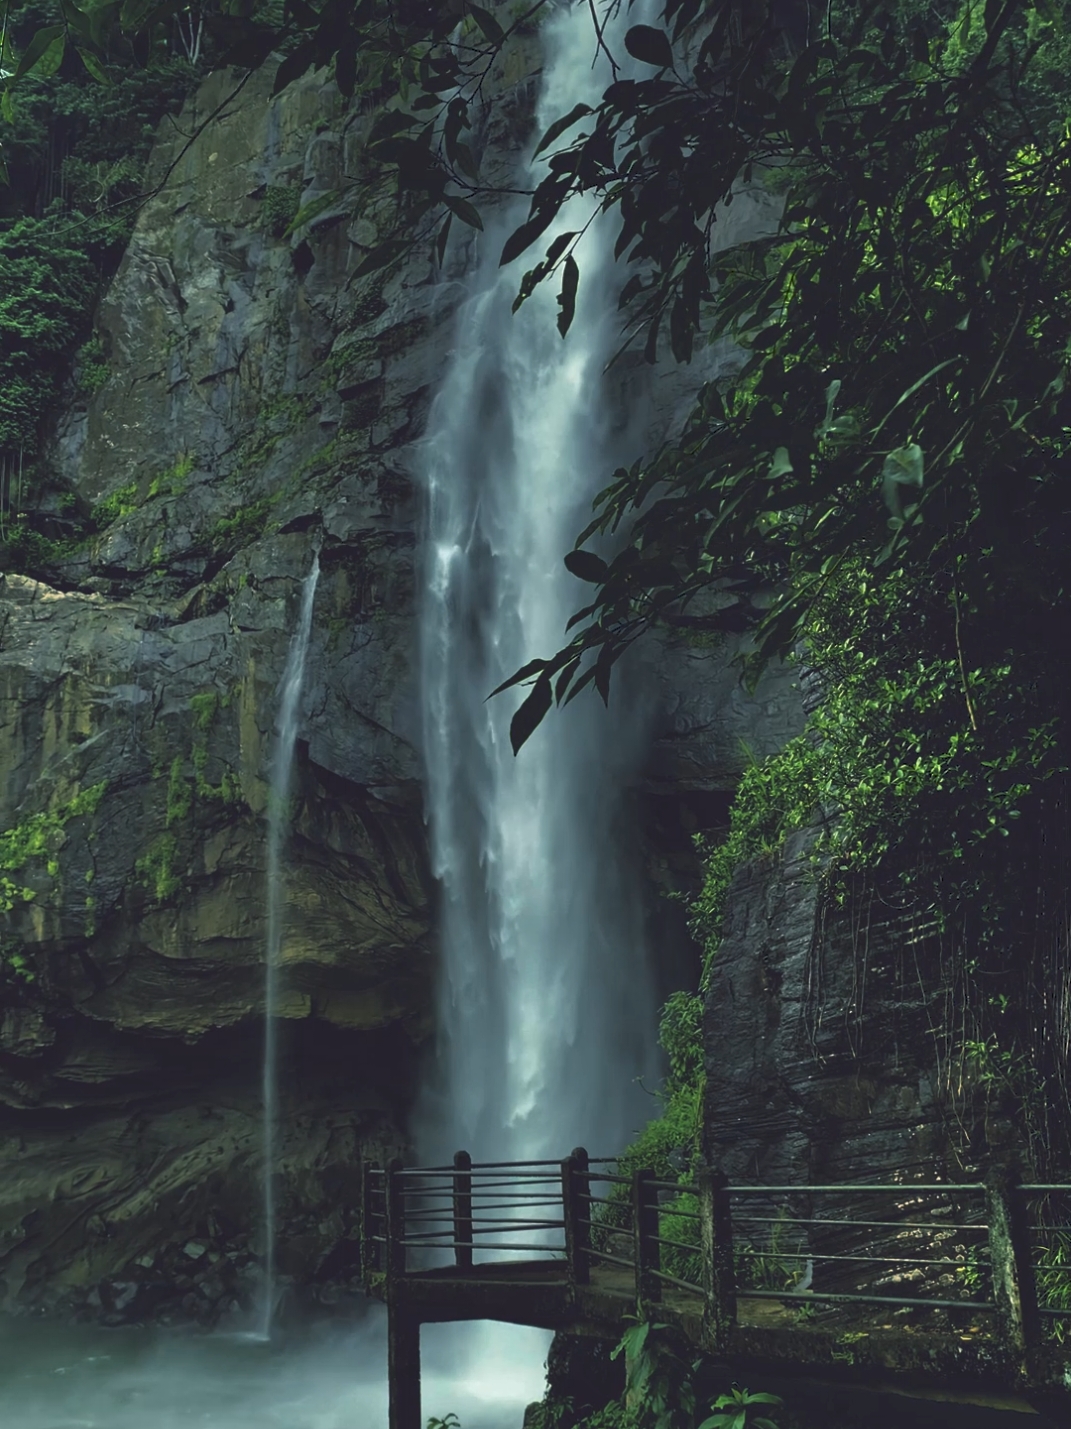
[[968, 1247]]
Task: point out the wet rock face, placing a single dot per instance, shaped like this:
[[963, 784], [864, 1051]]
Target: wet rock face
[[260, 397], [827, 1040]]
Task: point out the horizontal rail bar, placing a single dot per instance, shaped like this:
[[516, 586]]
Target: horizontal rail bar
[[892, 1225], [535, 1200], [1054, 1313], [613, 1259], [476, 1166], [1039, 1188], [504, 1228], [909, 1188], [680, 1244], [803, 1296], [605, 1176], [674, 1280], [664, 1210], [526, 1178], [682, 1188], [610, 1230], [868, 1259], [444, 1244]]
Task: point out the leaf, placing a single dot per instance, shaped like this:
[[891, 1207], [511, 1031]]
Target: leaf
[[781, 464], [521, 237], [912, 390], [567, 296], [51, 60], [560, 125], [94, 66], [75, 18], [464, 210], [312, 210], [294, 66], [524, 673], [832, 392], [587, 566], [492, 30], [133, 13], [902, 467], [379, 257], [650, 46], [36, 48], [603, 666], [440, 241], [530, 715]]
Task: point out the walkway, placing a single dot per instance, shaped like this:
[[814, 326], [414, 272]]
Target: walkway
[[932, 1288]]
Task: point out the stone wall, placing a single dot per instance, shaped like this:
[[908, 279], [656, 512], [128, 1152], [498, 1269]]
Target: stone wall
[[260, 399]]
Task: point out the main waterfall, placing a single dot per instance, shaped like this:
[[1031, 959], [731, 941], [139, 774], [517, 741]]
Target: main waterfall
[[546, 1005]]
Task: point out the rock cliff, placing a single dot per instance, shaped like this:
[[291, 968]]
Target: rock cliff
[[259, 397]]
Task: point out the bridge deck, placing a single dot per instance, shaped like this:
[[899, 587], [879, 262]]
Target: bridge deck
[[907, 1324]]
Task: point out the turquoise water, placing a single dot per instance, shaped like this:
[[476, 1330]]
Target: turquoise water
[[326, 1377]]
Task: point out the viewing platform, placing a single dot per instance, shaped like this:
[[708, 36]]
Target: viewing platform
[[929, 1290]]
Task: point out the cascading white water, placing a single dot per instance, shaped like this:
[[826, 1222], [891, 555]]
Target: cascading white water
[[282, 764], [546, 1009]]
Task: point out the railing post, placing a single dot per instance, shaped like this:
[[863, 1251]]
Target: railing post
[[395, 1189], [403, 1368], [645, 1221], [576, 1213], [716, 1242], [369, 1250], [1012, 1264], [463, 1210]]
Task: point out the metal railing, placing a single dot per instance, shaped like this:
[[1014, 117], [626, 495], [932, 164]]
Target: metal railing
[[977, 1248]]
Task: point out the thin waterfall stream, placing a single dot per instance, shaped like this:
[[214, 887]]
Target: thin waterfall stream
[[282, 764]]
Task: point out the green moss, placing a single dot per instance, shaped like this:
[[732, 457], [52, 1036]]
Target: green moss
[[204, 707], [244, 525], [173, 481], [279, 209], [116, 505], [41, 836], [92, 367], [156, 869], [179, 793]]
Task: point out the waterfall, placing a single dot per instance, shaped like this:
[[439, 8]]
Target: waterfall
[[278, 825], [546, 1005]]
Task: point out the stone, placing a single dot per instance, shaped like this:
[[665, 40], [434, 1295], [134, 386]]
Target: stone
[[259, 400]]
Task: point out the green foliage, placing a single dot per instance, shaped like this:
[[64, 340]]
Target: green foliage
[[450, 1422], [658, 1381], [1053, 1273], [173, 481], [92, 366], [115, 505], [204, 707], [736, 1411], [156, 868], [280, 208], [179, 794], [40, 837], [15, 965], [243, 526], [47, 283]]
